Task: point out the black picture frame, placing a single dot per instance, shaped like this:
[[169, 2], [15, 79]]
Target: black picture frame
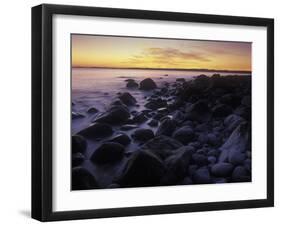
[[42, 107]]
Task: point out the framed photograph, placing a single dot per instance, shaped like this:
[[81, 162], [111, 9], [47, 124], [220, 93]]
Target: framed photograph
[[145, 112]]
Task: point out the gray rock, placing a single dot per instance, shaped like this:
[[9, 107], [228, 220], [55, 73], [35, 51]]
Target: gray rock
[[199, 111], [153, 123], [184, 134], [154, 104], [140, 117], [96, 130], [108, 152], [222, 169]]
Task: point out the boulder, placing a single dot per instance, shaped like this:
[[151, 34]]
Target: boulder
[[184, 134], [236, 144], [115, 115], [132, 84], [142, 169], [128, 127], [97, 130], [232, 121], [154, 104], [199, 159], [198, 111], [127, 99], [201, 176], [143, 135], [147, 84], [82, 179], [178, 116], [108, 152], [153, 123], [167, 127], [75, 115], [222, 169], [79, 144], [121, 139], [140, 117], [162, 146]]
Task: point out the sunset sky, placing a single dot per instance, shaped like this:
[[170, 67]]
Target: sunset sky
[[126, 52]]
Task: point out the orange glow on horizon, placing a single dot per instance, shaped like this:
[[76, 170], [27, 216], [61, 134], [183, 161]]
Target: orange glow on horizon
[[129, 52]]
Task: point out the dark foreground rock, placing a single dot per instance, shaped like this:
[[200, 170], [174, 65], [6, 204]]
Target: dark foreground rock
[[97, 130], [82, 179], [115, 115], [127, 99], [184, 134], [142, 169], [79, 144], [108, 152], [222, 169], [143, 135], [123, 139]]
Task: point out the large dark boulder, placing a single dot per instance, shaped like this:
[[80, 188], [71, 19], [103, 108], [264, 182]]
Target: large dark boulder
[[162, 146], [221, 110], [108, 152], [222, 169], [127, 99], [177, 165], [115, 115], [154, 104], [184, 134], [92, 110], [132, 84], [123, 139], [82, 179], [79, 144], [142, 169], [200, 159], [147, 84], [140, 117], [143, 135], [97, 130], [167, 127], [201, 176]]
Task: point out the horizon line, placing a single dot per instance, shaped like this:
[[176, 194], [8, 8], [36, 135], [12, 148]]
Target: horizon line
[[170, 69]]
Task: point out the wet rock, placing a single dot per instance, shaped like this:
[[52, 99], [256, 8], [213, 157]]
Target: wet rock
[[147, 84], [222, 169], [115, 115], [79, 144], [76, 115], [201, 176], [178, 116], [214, 152], [221, 110], [77, 159], [240, 174], [156, 103], [121, 139], [128, 127], [163, 110], [92, 110], [142, 169], [177, 165], [153, 123], [97, 130], [237, 159], [167, 127], [143, 135], [108, 152], [82, 179], [212, 159], [132, 84], [180, 79], [184, 134], [127, 99], [140, 117], [236, 144], [162, 146], [200, 159], [213, 139]]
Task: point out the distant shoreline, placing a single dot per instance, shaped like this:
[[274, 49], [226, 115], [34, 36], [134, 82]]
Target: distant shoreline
[[171, 69]]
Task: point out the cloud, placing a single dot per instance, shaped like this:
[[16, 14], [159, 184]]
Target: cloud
[[167, 56]]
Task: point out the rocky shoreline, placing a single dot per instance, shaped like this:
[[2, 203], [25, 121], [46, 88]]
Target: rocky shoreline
[[188, 132]]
